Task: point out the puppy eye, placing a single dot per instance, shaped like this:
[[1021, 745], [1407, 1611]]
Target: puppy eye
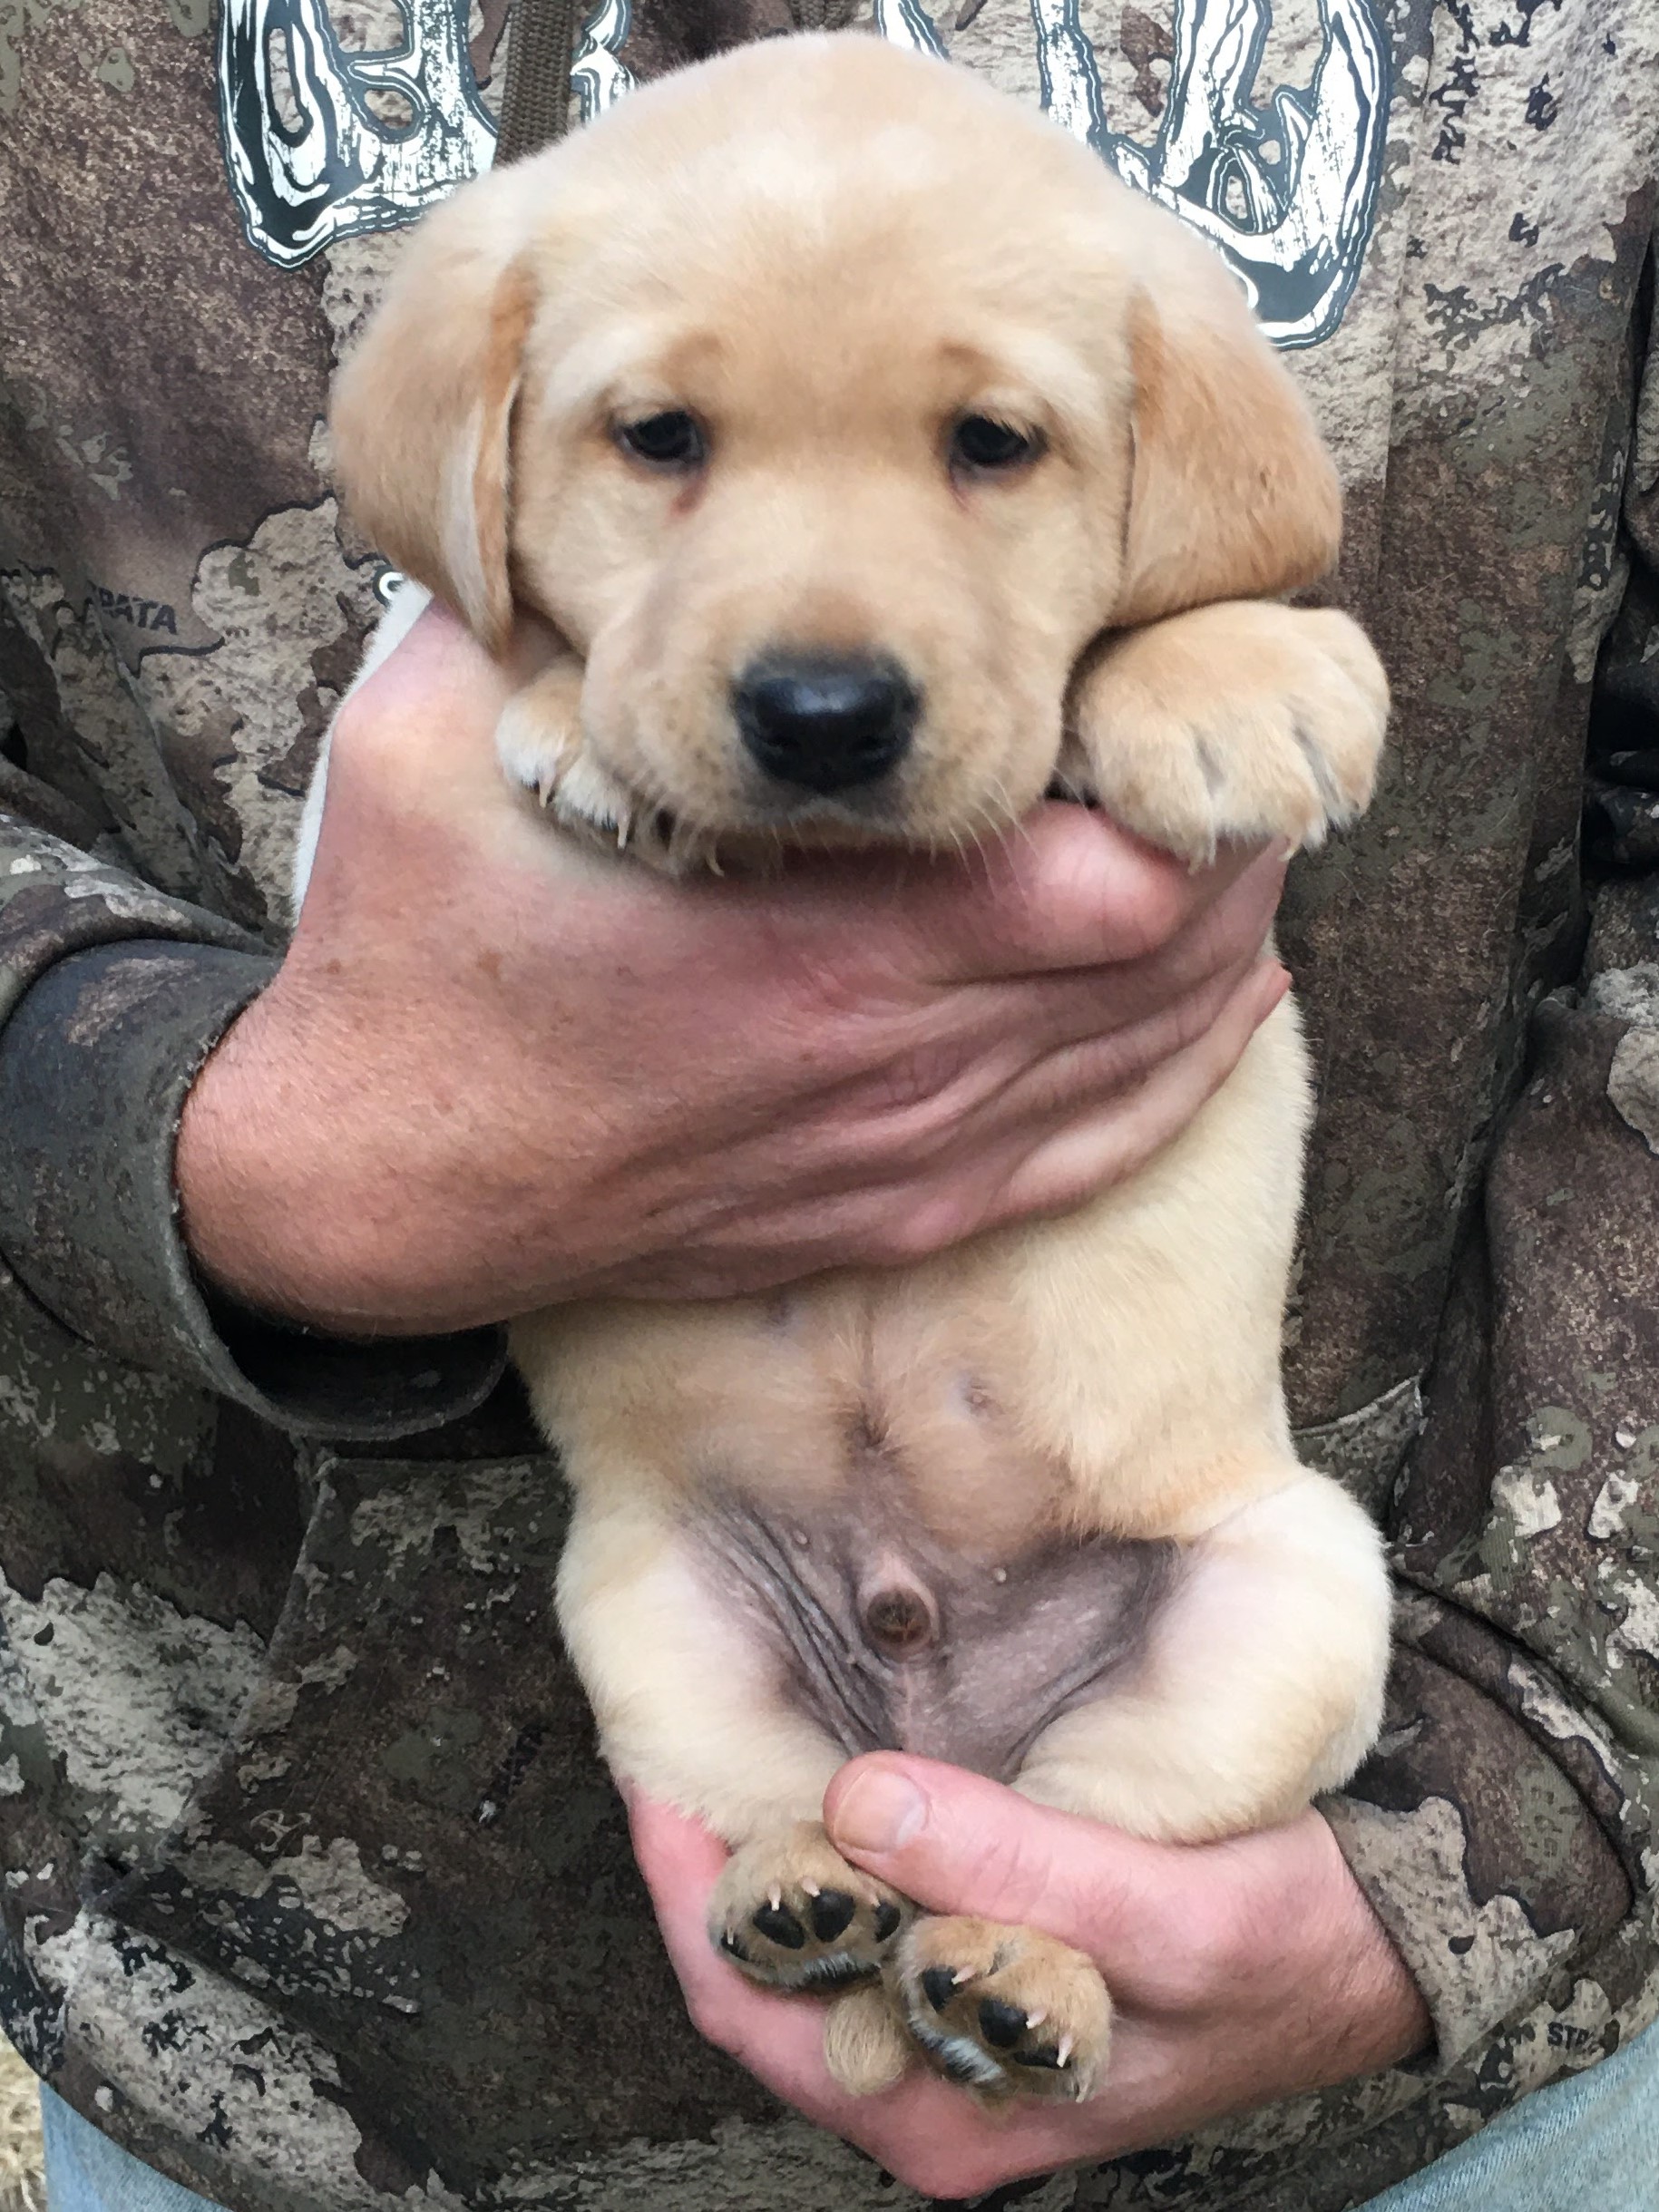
[[671, 440], [980, 441]]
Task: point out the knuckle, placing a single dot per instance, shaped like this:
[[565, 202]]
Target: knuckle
[[1106, 1152], [1053, 893], [1163, 901], [1082, 889]]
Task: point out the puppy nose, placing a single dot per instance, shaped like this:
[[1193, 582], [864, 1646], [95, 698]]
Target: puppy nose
[[825, 721]]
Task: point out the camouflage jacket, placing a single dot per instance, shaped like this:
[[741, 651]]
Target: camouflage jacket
[[316, 1895]]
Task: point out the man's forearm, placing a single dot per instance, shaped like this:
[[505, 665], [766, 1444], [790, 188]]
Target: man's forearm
[[116, 995]]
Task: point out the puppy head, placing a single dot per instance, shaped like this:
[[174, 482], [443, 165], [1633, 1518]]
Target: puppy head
[[829, 404]]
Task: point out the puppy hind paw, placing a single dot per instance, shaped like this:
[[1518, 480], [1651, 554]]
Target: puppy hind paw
[[1003, 2010], [789, 1912]]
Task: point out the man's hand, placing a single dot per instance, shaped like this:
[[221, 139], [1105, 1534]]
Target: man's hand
[[496, 1070], [1241, 1972]]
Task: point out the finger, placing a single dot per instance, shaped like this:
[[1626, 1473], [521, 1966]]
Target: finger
[[922, 2130], [1235, 916], [950, 1102], [858, 1213], [1103, 1147], [953, 1154], [852, 1216], [415, 743], [1067, 888], [932, 2139], [681, 1862], [1036, 1051], [1171, 1926], [958, 1843], [1095, 1072], [1068, 1006], [1048, 1139], [780, 2039]]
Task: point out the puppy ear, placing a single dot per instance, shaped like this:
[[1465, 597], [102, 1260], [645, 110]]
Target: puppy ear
[[422, 414], [1234, 495]]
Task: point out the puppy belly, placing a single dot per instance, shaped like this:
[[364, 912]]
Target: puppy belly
[[886, 1641]]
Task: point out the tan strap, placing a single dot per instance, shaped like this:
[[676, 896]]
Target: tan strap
[[536, 104]]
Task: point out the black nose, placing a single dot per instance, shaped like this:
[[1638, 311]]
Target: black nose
[[825, 721]]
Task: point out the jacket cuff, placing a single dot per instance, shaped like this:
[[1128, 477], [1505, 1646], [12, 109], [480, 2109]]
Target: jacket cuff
[[1479, 1851], [95, 1062]]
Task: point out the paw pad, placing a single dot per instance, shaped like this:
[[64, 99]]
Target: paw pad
[[832, 1913], [1003, 2009], [792, 1914], [779, 1924]]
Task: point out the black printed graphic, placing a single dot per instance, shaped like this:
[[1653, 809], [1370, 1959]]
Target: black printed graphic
[[1285, 187]]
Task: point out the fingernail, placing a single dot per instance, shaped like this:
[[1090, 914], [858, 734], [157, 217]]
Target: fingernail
[[878, 1812]]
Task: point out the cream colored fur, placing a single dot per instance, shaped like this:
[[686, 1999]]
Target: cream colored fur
[[1127, 1362], [828, 251]]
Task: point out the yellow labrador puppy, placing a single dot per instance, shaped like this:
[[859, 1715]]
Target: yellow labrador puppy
[[844, 456]]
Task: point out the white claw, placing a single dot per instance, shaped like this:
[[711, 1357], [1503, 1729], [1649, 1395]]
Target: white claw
[[812, 1889], [963, 1974], [774, 1898], [547, 783], [1035, 2020], [1064, 2052]]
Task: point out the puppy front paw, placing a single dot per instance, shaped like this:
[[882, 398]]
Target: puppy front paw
[[540, 745], [791, 1913], [1003, 2010], [1245, 721]]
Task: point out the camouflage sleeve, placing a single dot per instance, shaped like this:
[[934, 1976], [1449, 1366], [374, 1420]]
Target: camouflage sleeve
[[111, 995], [1506, 1831]]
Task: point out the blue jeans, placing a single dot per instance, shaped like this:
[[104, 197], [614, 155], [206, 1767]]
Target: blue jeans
[[1590, 2144], [85, 2172]]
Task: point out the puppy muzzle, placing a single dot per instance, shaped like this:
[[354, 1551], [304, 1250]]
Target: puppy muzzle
[[826, 723]]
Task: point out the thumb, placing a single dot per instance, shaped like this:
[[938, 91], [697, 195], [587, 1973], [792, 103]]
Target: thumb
[[957, 1843]]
